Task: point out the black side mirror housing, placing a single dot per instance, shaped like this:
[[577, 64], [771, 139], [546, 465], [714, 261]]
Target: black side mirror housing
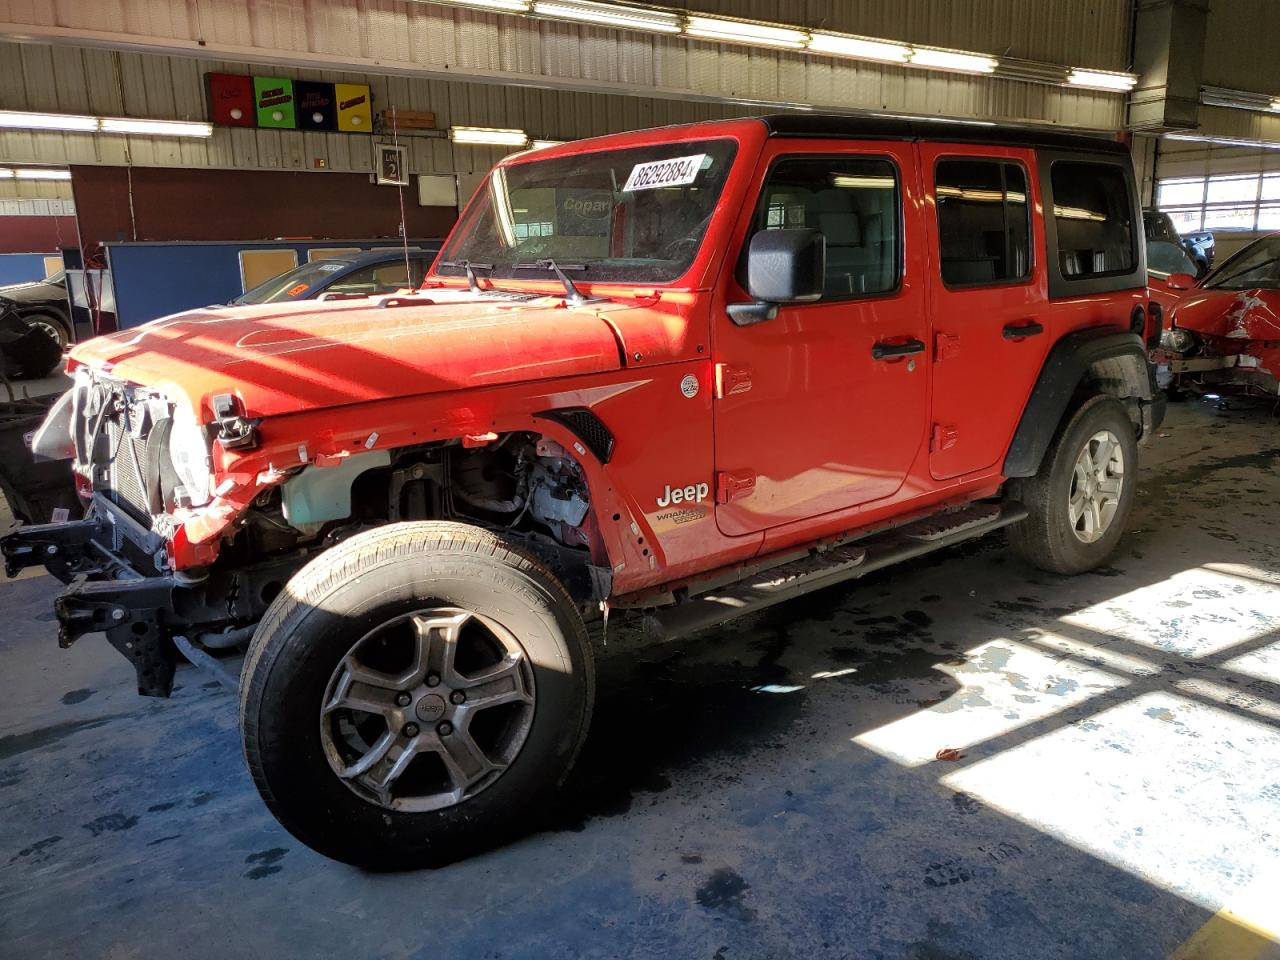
[[783, 266]]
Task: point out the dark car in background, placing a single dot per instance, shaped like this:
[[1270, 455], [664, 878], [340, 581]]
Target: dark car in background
[[42, 304], [1200, 246], [364, 274]]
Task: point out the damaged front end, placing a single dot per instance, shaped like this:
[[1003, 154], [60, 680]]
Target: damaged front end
[[1224, 342], [138, 467]]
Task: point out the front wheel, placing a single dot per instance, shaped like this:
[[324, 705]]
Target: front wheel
[[414, 695], [1080, 499]]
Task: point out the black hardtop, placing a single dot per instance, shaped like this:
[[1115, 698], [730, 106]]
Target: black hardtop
[[819, 125]]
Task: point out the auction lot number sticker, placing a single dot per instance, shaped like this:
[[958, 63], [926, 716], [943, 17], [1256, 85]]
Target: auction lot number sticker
[[675, 172]]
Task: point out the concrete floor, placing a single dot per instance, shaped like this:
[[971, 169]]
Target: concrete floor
[[767, 791]]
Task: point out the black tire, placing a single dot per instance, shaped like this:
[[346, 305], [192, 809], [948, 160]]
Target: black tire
[[52, 324], [332, 603], [1046, 537]]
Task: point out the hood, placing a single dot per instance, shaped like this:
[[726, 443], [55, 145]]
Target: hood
[[1233, 314], [287, 358], [38, 291]]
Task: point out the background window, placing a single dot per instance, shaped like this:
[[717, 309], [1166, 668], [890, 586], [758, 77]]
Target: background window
[[854, 203], [1093, 217], [984, 227], [1223, 202]]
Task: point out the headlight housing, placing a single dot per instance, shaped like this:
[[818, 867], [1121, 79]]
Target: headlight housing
[[1178, 340], [189, 454]]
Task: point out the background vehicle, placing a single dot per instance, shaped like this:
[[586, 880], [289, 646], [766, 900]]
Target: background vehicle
[[1200, 246], [1225, 333], [42, 304], [681, 374], [356, 275], [1170, 273]]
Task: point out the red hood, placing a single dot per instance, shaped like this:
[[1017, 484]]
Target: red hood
[[1233, 314], [286, 358]]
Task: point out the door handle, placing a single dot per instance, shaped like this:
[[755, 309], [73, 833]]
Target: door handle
[[890, 351], [1027, 328]]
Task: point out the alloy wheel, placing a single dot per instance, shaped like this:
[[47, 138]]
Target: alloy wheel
[[1096, 485], [428, 709]]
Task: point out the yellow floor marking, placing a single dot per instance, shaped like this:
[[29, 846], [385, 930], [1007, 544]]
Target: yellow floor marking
[[1228, 936]]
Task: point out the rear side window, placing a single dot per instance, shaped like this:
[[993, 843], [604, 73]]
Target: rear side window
[[984, 225], [854, 202], [1093, 218]]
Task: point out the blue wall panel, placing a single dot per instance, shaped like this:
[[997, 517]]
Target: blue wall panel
[[21, 267], [156, 279]]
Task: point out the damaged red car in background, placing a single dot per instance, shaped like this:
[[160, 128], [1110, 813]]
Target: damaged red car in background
[[1225, 333]]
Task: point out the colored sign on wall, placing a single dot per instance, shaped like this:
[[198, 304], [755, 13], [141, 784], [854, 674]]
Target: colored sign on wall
[[355, 109], [274, 99], [317, 107], [231, 100], [279, 103]]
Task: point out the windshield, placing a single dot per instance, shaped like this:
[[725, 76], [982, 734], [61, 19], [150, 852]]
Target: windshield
[[292, 285], [1257, 265], [1165, 257], [635, 215]]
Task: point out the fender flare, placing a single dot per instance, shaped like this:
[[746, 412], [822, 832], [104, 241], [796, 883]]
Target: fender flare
[[1112, 354]]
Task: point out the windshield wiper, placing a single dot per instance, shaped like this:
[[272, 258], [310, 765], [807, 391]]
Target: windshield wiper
[[575, 295], [471, 267]]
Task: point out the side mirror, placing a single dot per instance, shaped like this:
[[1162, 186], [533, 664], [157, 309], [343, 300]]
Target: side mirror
[[1180, 281], [783, 266]]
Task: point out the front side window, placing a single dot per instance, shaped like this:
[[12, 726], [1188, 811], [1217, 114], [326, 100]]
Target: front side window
[[984, 222], [1093, 217], [636, 215], [854, 203]]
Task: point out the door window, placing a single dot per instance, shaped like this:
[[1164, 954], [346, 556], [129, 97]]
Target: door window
[[1093, 217], [984, 222], [855, 204]]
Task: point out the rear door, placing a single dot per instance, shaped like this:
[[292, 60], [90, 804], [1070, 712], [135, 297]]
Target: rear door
[[987, 299], [824, 407]]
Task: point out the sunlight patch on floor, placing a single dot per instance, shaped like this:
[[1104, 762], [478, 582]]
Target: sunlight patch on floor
[[1182, 794], [1005, 684], [1194, 613]]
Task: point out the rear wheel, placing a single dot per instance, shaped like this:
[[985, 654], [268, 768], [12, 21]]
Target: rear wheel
[[414, 695], [1080, 499]]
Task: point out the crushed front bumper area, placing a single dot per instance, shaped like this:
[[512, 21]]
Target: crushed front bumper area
[[104, 594], [119, 584]]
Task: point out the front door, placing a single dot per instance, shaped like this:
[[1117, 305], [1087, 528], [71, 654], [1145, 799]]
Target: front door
[[824, 407], [986, 298]]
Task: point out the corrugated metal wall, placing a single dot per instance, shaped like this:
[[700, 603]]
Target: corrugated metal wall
[[558, 81], [80, 79], [34, 189]]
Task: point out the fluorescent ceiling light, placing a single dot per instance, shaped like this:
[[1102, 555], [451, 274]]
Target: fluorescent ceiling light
[[608, 14], [505, 6], [950, 60], [157, 128], [39, 173], [742, 31], [488, 136], [543, 144], [1275, 104], [1101, 80], [842, 46], [19, 120], [843, 182], [76, 123]]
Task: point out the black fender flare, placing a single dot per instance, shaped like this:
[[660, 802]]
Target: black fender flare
[[1117, 356]]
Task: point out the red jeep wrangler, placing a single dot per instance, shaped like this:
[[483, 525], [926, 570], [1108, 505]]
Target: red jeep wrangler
[[687, 372]]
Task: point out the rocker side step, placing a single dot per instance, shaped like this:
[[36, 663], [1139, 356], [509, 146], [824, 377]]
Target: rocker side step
[[798, 577]]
